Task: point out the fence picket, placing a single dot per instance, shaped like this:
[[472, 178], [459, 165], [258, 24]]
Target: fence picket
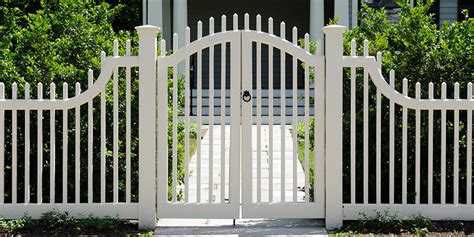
[[456, 147], [2, 146], [78, 147], [128, 128], [417, 146], [282, 113], [90, 141], [223, 98], [270, 114], [27, 146], [199, 114], [259, 111], [174, 167], [186, 119], [392, 143], [14, 146], [294, 110], [353, 124], [378, 148], [366, 127], [115, 127], [443, 147], [65, 144], [211, 113], [52, 134], [404, 145], [306, 122], [39, 195], [103, 138], [430, 145], [469, 148]]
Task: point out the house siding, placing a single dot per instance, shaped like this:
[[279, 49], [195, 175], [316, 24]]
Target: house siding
[[448, 11]]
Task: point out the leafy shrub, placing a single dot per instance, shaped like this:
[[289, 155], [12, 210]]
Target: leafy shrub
[[416, 49], [58, 43]]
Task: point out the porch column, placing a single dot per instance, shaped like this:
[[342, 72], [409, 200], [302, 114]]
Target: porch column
[[157, 13], [341, 9], [180, 19], [316, 22]]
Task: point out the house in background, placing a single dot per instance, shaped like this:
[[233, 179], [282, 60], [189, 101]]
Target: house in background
[[309, 16]]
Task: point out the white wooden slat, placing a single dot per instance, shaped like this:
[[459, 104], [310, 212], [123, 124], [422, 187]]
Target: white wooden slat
[[2, 145], [469, 150], [235, 22], [456, 148], [443, 147], [78, 149], [103, 136], [417, 146], [115, 128], [90, 140], [52, 134], [246, 22], [211, 115], [174, 165], [283, 107], [392, 143], [366, 127], [270, 112], [404, 145], [259, 112], [65, 145], [14, 146], [128, 125], [199, 114], [353, 124], [40, 147], [378, 155], [223, 98], [27, 146], [430, 145], [306, 122], [186, 118], [295, 118]]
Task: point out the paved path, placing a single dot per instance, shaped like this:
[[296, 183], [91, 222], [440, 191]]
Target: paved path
[[217, 143], [255, 227]]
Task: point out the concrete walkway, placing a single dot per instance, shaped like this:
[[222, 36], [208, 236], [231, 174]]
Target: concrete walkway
[[254, 227], [216, 168]]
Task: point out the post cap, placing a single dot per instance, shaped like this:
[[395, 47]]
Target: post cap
[[147, 29], [334, 28]]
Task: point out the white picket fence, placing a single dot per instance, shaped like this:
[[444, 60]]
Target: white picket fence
[[46, 153], [153, 143]]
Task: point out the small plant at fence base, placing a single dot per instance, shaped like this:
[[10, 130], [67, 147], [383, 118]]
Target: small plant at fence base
[[55, 223], [389, 223]]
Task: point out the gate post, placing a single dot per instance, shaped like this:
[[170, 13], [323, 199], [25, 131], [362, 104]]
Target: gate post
[[147, 126], [334, 77]]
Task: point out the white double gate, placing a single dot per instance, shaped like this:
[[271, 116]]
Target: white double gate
[[252, 162]]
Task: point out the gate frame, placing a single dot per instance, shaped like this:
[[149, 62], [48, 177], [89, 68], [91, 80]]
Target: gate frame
[[148, 97]]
